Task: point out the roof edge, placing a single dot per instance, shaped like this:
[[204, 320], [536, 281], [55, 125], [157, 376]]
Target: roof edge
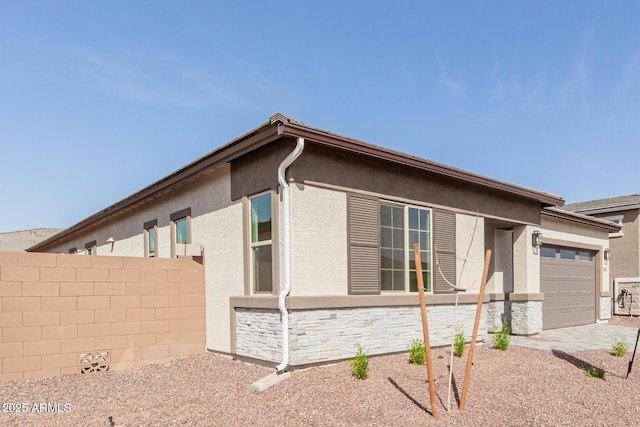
[[251, 140], [295, 129], [554, 212]]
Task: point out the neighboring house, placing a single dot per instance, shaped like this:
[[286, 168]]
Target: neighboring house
[[624, 244], [18, 241], [289, 209]]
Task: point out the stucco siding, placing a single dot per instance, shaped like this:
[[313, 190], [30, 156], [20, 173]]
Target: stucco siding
[[221, 232], [526, 261], [469, 251], [319, 241]]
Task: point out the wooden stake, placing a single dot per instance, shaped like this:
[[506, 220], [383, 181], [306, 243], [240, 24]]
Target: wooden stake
[[483, 284], [425, 331]]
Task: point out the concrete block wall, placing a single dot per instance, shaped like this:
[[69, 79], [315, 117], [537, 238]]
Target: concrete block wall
[[323, 335], [62, 314]]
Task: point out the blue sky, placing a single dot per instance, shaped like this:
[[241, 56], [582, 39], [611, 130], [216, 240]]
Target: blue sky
[[99, 99]]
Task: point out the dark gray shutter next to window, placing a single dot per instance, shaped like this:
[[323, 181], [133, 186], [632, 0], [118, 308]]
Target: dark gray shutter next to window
[[363, 229], [444, 232]]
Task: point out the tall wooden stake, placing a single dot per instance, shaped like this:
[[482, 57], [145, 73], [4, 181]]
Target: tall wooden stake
[[483, 284], [425, 331]]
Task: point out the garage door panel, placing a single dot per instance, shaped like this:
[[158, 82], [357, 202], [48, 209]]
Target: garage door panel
[[569, 286]]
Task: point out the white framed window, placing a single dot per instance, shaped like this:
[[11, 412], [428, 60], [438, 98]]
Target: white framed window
[[91, 248], [180, 231], [616, 219], [261, 243], [151, 238], [402, 226]]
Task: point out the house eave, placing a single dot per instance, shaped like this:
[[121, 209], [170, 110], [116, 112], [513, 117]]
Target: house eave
[[355, 146], [236, 148], [602, 224]]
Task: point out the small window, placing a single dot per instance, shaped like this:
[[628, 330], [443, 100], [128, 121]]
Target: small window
[[180, 229], [151, 238], [261, 244], [617, 219], [91, 248], [585, 256], [548, 252], [567, 254]]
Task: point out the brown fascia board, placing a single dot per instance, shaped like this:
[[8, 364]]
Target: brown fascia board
[[248, 142], [609, 226], [363, 148], [287, 126]]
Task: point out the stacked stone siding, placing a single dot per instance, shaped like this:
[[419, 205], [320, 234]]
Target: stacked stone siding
[[526, 317], [605, 308], [495, 314], [324, 335], [627, 300], [258, 334]]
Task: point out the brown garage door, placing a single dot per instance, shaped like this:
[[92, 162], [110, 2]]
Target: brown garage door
[[568, 280]]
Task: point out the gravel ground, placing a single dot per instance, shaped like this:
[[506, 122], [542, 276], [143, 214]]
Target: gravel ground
[[520, 386]]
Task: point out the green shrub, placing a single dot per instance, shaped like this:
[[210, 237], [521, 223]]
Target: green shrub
[[459, 343], [502, 338], [360, 364], [619, 347], [594, 372], [416, 352]]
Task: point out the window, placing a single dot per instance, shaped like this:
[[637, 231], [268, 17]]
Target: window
[[180, 231], [400, 228], [261, 239], [380, 238], [91, 248], [616, 219], [151, 238], [547, 252]]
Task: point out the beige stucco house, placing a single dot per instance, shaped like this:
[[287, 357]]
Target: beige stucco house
[[624, 244], [309, 232]]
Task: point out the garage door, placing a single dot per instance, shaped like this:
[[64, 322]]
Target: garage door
[[568, 280]]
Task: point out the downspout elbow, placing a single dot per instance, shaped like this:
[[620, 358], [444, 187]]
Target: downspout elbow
[[286, 256]]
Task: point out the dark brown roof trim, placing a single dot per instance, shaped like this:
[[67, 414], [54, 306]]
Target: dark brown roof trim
[[609, 226], [287, 126], [248, 142], [180, 214], [150, 224], [359, 147]]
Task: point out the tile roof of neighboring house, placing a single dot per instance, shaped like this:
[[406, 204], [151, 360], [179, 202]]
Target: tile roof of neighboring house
[[18, 241], [280, 125], [611, 204]]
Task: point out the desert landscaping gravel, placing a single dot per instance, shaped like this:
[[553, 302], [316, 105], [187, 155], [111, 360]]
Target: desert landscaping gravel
[[519, 386]]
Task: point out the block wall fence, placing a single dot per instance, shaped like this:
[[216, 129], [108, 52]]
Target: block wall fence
[[65, 314]]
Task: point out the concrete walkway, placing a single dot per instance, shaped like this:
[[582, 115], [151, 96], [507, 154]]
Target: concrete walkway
[[576, 338]]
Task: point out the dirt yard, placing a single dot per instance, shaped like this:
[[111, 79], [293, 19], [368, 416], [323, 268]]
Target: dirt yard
[[517, 387]]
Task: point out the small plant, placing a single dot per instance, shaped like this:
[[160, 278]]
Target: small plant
[[459, 343], [360, 364], [594, 372], [619, 347], [416, 352], [502, 338]]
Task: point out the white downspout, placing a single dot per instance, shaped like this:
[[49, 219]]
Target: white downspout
[[286, 256]]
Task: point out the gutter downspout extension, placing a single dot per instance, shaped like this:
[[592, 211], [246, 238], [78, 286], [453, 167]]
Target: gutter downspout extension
[[286, 258]]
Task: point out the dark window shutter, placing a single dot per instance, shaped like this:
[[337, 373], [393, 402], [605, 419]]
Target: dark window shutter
[[364, 254], [444, 231]]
